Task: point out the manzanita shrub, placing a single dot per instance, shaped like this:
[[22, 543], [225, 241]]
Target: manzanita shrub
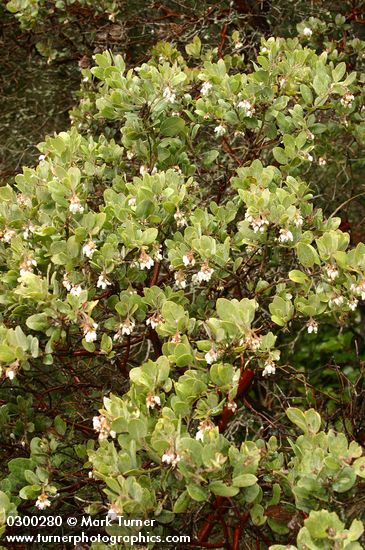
[[161, 266]]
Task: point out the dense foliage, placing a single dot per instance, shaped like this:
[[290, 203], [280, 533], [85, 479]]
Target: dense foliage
[[176, 255]]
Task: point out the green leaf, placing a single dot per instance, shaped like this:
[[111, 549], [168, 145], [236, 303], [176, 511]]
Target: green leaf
[[182, 503], [7, 355], [339, 72], [359, 467], [280, 156], [31, 477], [306, 94], [298, 276], [244, 480], [356, 529], [210, 157], [197, 493], [194, 47], [137, 428], [345, 480], [106, 344], [30, 492], [221, 489], [313, 421], [320, 83], [60, 425], [172, 126], [38, 322], [296, 416], [307, 255], [73, 247], [103, 60]]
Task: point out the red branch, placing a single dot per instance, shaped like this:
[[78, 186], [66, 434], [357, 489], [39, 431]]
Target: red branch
[[207, 527], [155, 274], [246, 377], [236, 538], [230, 151], [223, 39]]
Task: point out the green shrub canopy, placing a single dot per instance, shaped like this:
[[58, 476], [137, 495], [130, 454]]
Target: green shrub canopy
[[180, 248]]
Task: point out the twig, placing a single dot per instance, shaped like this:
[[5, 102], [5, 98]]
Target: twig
[[223, 39], [246, 377]]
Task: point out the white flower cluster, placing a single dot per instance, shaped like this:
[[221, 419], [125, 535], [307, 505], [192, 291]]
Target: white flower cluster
[[8, 235], [269, 368], [66, 282], [347, 99], [205, 274], [211, 356], [27, 266], [312, 326], [258, 223], [204, 426], [145, 170], [176, 338], [89, 329], [359, 289], [331, 271], [307, 32], [322, 161], [127, 326], [88, 249], [27, 230], [158, 253], [43, 501], [232, 406], [336, 301], [152, 401], [12, 370], [169, 95], [155, 320], [76, 290], [10, 373], [220, 130], [21, 199], [102, 426], [170, 457], [145, 260], [103, 281], [75, 204], [188, 259], [353, 303], [180, 279], [253, 342], [113, 512], [247, 107], [180, 218], [285, 236], [298, 219], [204, 90]]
